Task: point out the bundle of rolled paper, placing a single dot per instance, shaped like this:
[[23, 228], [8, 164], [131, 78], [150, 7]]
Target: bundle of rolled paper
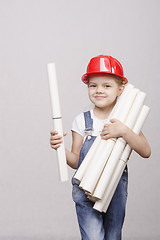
[[102, 168]]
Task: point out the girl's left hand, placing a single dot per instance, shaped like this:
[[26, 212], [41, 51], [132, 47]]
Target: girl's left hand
[[114, 129]]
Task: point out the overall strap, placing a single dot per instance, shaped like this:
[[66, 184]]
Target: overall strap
[[88, 122]]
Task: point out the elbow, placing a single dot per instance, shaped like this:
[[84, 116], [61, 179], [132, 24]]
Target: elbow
[[147, 153]]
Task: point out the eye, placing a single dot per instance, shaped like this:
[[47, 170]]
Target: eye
[[107, 86], [92, 85]]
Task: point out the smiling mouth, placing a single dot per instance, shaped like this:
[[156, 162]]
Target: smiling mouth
[[99, 97]]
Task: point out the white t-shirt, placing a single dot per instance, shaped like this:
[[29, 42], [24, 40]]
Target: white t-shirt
[[78, 124]]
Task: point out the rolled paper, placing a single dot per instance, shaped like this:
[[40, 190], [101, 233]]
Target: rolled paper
[[121, 101], [89, 157], [83, 167], [109, 168], [141, 119], [57, 119], [93, 173], [135, 110], [128, 104], [106, 176], [137, 128], [89, 180], [54, 93], [103, 204], [113, 185]]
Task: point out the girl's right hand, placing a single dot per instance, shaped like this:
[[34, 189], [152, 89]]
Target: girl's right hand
[[55, 139]]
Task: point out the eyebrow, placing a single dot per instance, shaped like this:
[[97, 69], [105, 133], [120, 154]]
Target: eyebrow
[[106, 82], [92, 83]]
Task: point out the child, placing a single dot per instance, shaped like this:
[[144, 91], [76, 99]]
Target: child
[[105, 82]]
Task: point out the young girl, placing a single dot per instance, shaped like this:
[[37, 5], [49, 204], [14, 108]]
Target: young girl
[[106, 82]]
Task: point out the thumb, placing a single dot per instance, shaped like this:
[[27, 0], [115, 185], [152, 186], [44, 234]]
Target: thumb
[[64, 134]]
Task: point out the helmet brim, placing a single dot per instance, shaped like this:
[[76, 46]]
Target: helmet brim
[[86, 75]]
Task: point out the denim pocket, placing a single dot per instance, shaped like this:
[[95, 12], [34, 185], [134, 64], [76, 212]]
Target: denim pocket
[[78, 194]]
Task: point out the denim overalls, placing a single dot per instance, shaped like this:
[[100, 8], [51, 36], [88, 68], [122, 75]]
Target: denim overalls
[[93, 224]]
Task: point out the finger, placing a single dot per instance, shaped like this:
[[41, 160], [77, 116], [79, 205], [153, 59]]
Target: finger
[[105, 137], [104, 132], [54, 142], [55, 137], [53, 132], [55, 146], [65, 134], [105, 129], [106, 125]]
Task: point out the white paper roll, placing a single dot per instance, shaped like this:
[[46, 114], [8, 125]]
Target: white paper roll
[[109, 169], [103, 204], [137, 128], [128, 104], [135, 109], [53, 87], [97, 164], [141, 119], [121, 100], [61, 155], [83, 167], [57, 119], [112, 187]]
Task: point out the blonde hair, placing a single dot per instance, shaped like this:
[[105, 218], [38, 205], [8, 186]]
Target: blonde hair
[[119, 80]]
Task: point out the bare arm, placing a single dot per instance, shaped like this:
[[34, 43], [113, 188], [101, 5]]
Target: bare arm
[[137, 142], [73, 155]]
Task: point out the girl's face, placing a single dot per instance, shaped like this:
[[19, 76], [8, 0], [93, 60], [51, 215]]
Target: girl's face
[[103, 90]]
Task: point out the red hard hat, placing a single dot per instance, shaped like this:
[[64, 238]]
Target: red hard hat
[[104, 64]]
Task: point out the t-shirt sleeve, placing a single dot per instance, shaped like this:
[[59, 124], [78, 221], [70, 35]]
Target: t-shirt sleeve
[[78, 125]]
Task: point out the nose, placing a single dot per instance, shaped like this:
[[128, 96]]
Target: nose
[[99, 89]]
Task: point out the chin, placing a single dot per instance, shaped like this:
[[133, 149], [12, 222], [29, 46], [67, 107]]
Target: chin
[[101, 105]]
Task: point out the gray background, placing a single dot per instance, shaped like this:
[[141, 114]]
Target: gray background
[[34, 204]]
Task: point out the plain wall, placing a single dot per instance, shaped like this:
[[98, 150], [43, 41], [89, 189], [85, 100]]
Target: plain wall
[[34, 204]]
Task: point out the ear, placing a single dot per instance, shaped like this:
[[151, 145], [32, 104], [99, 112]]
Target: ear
[[121, 88]]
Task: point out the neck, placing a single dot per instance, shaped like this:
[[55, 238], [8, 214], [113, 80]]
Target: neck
[[100, 113], [103, 113]]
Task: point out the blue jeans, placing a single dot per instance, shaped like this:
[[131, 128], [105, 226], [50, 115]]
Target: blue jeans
[[93, 224], [100, 226]]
